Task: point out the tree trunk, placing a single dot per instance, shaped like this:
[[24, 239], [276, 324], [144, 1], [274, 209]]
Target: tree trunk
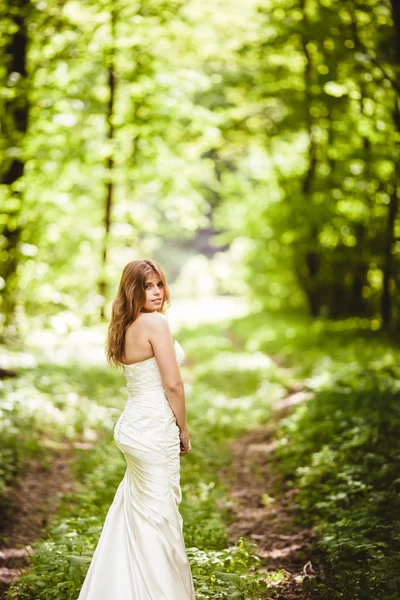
[[393, 207], [388, 266], [109, 191], [312, 256], [396, 20], [14, 126]]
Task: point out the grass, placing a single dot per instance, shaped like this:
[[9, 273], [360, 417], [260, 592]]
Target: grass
[[339, 449]]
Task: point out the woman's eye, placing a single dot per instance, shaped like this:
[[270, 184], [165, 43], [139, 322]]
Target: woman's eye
[[149, 285]]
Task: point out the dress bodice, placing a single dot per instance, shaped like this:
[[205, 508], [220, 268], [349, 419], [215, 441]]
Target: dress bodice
[[144, 377]]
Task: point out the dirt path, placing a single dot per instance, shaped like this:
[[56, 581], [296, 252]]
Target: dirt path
[[265, 510], [33, 500]]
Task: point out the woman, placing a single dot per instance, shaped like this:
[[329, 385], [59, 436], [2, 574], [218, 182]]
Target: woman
[[141, 553]]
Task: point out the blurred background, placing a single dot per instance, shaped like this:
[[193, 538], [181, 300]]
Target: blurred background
[[251, 147]]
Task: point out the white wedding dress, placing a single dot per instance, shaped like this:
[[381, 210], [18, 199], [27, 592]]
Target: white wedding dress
[[141, 552]]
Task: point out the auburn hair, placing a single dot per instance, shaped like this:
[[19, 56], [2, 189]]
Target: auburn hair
[[129, 301]]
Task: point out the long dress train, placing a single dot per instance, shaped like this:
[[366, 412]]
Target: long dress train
[[141, 553]]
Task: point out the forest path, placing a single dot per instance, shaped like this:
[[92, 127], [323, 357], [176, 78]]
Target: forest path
[[265, 508], [33, 499]]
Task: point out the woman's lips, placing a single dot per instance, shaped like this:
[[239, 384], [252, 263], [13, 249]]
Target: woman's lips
[[157, 300]]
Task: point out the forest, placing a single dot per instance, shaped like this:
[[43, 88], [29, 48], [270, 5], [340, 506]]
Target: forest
[[252, 149]]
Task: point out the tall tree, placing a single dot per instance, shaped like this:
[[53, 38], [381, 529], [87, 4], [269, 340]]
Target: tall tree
[[110, 141], [390, 277], [15, 112]]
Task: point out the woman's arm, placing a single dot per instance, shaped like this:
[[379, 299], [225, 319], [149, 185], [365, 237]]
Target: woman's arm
[[160, 338]]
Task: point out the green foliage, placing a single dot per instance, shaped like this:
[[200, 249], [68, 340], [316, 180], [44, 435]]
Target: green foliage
[[235, 581], [318, 105], [44, 407], [341, 449], [312, 346], [17, 444], [274, 123]]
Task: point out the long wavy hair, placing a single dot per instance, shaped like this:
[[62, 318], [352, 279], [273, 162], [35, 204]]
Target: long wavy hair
[[129, 301]]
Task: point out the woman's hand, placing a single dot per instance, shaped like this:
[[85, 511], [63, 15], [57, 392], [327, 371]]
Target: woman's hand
[[185, 443]]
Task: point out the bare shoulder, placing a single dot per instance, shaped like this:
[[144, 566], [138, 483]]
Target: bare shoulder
[[156, 321], [149, 321]]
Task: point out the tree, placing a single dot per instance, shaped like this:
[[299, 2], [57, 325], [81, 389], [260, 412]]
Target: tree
[[15, 113]]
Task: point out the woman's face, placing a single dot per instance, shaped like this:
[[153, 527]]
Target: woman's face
[[154, 289]]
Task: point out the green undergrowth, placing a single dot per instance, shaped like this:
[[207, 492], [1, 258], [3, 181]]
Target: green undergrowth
[[341, 449], [43, 407], [308, 345], [226, 394]]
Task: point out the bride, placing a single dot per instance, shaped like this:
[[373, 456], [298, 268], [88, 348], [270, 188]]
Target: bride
[[141, 552]]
